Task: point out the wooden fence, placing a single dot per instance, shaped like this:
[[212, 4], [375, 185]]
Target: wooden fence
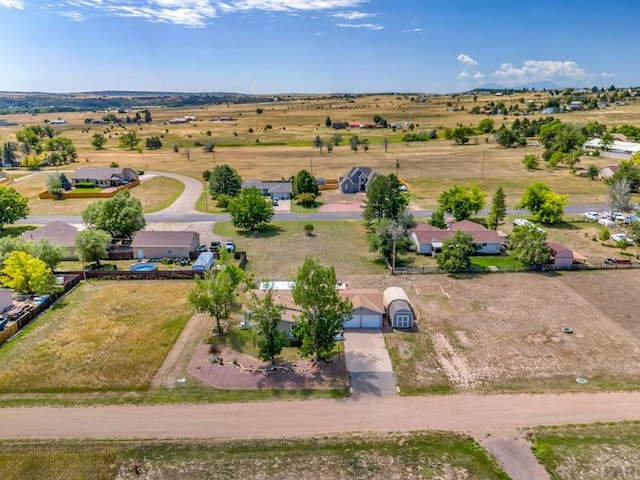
[[109, 194]]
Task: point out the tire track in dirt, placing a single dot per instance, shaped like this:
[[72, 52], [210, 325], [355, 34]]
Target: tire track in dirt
[[453, 364]]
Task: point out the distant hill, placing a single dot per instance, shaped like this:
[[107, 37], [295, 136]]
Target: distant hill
[[42, 102]]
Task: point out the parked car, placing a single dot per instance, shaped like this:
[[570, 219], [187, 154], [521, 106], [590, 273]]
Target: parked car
[[617, 261], [275, 201], [230, 246], [626, 217], [523, 222], [201, 248], [606, 222], [592, 216], [616, 237], [215, 246]]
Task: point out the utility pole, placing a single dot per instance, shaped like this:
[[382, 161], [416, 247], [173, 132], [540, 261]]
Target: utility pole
[[397, 166], [394, 226], [311, 161]]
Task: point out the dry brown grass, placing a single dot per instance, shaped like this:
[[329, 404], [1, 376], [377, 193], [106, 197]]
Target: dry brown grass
[[503, 332], [428, 166], [103, 336]]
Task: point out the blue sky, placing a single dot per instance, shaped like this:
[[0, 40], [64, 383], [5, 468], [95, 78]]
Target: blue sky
[[315, 46]]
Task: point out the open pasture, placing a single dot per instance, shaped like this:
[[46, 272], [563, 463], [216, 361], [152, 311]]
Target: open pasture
[[286, 147], [108, 336], [504, 333]]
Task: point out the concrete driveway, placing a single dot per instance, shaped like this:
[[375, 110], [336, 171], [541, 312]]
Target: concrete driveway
[[368, 363]]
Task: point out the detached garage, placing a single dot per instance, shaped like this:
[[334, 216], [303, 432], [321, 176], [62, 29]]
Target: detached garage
[[368, 309], [398, 307]]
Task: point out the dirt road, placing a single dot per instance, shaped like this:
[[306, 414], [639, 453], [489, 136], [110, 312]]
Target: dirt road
[[463, 413]]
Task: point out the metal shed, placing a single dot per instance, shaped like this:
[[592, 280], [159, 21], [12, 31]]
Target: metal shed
[[398, 307]]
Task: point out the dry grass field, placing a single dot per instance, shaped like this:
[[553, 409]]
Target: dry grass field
[[284, 149], [503, 333], [103, 336], [373, 457]]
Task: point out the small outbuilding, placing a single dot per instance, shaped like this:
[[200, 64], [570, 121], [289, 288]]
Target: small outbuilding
[[203, 263], [6, 299], [561, 256], [398, 307]]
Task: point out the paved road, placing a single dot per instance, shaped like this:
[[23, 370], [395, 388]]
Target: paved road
[[478, 415], [185, 203]]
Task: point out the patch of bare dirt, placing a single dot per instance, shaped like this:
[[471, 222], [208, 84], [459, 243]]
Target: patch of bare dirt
[[453, 363], [232, 370], [335, 201]]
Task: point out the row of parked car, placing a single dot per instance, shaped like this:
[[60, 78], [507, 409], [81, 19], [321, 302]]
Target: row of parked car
[[215, 246], [608, 217]]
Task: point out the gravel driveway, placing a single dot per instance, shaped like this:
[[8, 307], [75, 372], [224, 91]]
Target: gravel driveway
[[369, 364]]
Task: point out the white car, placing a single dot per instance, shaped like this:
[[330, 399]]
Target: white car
[[592, 216], [616, 237]]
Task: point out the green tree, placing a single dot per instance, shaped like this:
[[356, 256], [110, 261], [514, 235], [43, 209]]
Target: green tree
[[265, 317], [214, 294], [456, 253], [147, 116], [461, 134], [54, 185], [592, 172], [533, 197], [91, 245], [462, 201], [304, 182], [8, 154], [336, 139], [121, 215], [531, 162], [249, 210], [604, 234], [324, 311], [498, 209], [129, 140], [49, 252], [437, 219], [509, 138], [13, 206], [552, 209], [384, 199], [153, 143], [619, 195], [63, 146], [318, 143], [327, 122], [27, 275], [224, 179], [529, 245], [633, 232], [64, 182], [560, 137], [486, 125], [354, 143], [622, 244]]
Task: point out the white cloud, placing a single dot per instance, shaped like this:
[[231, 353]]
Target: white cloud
[[353, 15], [288, 5], [607, 74], [463, 75], [467, 60], [371, 26], [478, 75], [19, 4], [540, 70], [320, 33], [75, 16], [413, 30]]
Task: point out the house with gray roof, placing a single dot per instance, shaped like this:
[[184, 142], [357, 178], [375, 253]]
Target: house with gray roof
[[280, 190], [164, 244], [104, 177], [57, 232], [357, 180]]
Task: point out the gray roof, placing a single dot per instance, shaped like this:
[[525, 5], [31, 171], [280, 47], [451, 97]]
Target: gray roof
[[59, 232], [270, 186], [151, 238], [97, 173]]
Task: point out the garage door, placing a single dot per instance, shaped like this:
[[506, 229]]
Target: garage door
[[371, 321], [354, 322]]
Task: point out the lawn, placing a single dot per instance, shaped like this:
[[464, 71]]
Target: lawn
[[589, 452], [277, 251], [102, 336], [374, 457]]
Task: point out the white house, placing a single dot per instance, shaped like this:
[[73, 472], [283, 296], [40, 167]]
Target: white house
[[617, 149]]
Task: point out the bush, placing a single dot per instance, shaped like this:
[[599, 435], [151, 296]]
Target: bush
[[176, 148], [84, 185], [308, 229], [307, 199], [415, 137], [114, 165], [197, 143], [222, 200]]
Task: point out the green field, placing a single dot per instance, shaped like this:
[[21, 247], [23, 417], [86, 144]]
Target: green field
[[589, 452], [374, 457]]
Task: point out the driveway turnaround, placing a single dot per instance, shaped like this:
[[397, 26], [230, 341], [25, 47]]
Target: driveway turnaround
[[368, 363]]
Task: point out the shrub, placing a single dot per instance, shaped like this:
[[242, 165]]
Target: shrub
[[415, 137], [197, 143], [176, 148], [114, 165], [222, 200], [308, 229], [84, 185], [307, 199]]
